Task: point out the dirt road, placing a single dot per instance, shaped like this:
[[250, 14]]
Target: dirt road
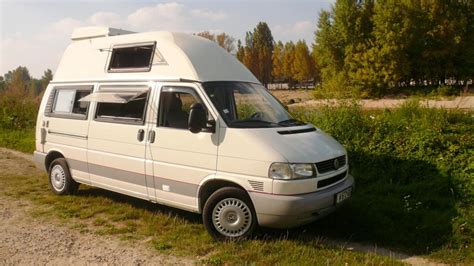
[[303, 98], [31, 241], [28, 240]]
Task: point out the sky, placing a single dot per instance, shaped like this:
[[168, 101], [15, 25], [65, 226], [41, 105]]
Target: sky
[[35, 33]]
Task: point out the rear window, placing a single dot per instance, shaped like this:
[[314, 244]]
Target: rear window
[[132, 58], [64, 102]]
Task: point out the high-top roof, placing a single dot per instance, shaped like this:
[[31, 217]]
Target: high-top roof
[[177, 56]]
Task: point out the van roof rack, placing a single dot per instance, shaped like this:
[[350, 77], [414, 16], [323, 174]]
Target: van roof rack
[[96, 32]]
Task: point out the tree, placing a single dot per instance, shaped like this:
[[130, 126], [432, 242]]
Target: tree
[[277, 62], [302, 64], [287, 61], [240, 54], [46, 78], [2, 84], [256, 55], [207, 35], [263, 46], [223, 39], [18, 80], [226, 41]]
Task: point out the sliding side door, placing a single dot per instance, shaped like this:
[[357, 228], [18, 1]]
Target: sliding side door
[[116, 144]]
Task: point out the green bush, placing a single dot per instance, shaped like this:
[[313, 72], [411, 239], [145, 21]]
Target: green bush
[[414, 172], [17, 111]]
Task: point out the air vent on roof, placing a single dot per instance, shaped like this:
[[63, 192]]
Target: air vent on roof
[[96, 32]]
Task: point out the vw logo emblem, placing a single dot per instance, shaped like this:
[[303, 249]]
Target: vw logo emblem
[[336, 164]]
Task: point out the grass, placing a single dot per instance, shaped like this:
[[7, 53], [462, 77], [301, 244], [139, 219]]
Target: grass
[[415, 193], [18, 139], [168, 230]]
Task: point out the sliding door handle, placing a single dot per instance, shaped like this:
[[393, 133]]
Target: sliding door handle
[[141, 135], [151, 136]]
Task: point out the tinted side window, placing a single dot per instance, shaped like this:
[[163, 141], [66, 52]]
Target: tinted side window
[[131, 112], [175, 104]]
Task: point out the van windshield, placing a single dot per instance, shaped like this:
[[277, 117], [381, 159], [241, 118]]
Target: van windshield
[[247, 105]]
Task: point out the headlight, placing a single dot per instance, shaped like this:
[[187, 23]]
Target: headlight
[[287, 171]]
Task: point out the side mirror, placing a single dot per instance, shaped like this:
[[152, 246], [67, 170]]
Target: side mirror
[[197, 118]]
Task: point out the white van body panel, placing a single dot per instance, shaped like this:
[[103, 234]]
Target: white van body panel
[[186, 57]]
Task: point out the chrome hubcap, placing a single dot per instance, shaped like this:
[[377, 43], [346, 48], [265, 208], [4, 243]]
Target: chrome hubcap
[[232, 217], [58, 177]]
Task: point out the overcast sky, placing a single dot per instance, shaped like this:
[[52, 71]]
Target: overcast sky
[[35, 33]]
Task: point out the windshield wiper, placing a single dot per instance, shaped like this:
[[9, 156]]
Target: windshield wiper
[[291, 121]]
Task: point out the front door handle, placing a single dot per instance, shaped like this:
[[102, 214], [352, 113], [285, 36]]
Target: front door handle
[[151, 136], [140, 135]]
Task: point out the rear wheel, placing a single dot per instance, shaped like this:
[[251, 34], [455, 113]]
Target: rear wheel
[[229, 214], [60, 179]]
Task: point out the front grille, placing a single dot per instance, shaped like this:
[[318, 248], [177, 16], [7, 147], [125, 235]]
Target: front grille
[[331, 180], [328, 165]]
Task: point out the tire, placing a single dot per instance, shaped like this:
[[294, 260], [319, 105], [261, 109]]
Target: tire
[[228, 214], [60, 180]]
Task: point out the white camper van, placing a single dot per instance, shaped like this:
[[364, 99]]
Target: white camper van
[[174, 119]]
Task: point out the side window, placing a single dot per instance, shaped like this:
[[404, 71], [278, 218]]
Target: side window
[[130, 110], [175, 104], [66, 102]]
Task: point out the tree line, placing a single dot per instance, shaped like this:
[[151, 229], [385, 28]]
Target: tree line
[[19, 82], [376, 47], [369, 47]]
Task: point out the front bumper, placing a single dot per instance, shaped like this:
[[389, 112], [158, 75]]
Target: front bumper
[[285, 211]]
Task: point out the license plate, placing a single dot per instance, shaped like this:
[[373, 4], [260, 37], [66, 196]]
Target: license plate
[[343, 195]]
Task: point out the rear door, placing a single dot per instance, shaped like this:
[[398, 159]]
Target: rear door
[[66, 125], [116, 142], [179, 159]]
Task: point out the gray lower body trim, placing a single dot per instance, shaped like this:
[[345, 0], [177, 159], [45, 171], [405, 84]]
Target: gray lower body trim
[[118, 174], [181, 188], [39, 158]]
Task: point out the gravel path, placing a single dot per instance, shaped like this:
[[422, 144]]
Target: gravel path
[[26, 240]]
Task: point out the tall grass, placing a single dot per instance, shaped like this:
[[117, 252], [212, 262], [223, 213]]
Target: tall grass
[[414, 172]]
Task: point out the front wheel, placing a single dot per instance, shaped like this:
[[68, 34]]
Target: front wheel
[[229, 214]]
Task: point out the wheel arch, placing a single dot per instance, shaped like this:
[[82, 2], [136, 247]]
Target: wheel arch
[[212, 185], [51, 156]]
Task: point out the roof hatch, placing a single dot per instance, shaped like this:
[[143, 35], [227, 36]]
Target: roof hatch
[[96, 32]]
